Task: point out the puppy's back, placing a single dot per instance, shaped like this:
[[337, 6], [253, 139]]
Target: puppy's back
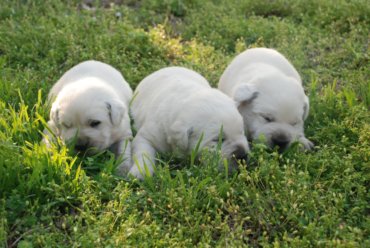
[[91, 68], [169, 82], [164, 88], [256, 56], [171, 75]]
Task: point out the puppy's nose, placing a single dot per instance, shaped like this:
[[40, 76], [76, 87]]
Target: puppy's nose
[[281, 141], [81, 145], [240, 153], [80, 148]]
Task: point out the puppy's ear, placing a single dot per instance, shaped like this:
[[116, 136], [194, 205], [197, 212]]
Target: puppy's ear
[[116, 111], [306, 108], [54, 114], [179, 135], [244, 93]]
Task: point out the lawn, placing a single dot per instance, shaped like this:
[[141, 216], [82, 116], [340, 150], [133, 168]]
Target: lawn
[[53, 198]]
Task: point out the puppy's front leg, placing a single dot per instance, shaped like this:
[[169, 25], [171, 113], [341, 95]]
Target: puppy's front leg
[[49, 134], [122, 147], [143, 157]]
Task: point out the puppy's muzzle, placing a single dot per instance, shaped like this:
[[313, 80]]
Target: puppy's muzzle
[[281, 141], [239, 154], [82, 145]]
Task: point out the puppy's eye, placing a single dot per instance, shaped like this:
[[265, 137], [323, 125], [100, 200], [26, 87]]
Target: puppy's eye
[[95, 123], [66, 125], [268, 118], [217, 139]]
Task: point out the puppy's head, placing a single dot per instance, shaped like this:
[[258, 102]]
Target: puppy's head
[[210, 117], [273, 108], [90, 117]]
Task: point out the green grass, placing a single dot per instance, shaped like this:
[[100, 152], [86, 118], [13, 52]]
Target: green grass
[[55, 199]]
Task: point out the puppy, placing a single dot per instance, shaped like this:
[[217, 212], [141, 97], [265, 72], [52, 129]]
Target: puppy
[[90, 108], [173, 108], [270, 96]]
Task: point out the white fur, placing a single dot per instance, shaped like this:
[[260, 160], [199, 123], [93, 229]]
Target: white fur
[[172, 108], [91, 92], [267, 86]]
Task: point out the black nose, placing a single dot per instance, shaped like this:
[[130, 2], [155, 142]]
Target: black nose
[[82, 144], [281, 141], [80, 148], [240, 153]]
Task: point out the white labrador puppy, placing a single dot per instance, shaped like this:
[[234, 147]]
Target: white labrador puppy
[[270, 96], [173, 108], [90, 108]]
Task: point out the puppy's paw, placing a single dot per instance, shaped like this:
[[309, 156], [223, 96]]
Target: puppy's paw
[[47, 142], [123, 168], [136, 172], [307, 144]]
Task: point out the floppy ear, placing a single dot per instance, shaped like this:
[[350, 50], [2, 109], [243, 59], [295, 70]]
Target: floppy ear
[[179, 135], [116, 111], [244, 93], [306, 108], [54, 114]]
